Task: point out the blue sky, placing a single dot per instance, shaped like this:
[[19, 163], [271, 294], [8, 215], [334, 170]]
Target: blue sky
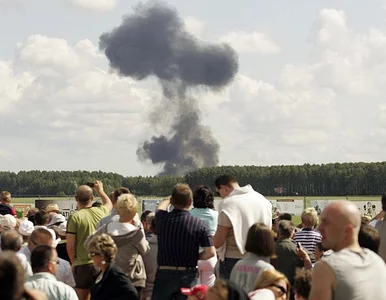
[[310, 87]]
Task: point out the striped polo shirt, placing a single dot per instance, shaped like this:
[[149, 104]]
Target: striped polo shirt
[[179, 237], [308, 238]]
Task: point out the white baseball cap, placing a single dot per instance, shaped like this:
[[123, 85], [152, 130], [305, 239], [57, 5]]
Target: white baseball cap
[[58, 218], [8, 222], [26, 227]]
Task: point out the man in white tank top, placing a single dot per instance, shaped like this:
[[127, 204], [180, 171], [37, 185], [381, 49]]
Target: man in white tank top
[[350, 272]]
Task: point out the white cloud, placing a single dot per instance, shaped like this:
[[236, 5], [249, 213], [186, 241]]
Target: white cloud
[[382, 114], [95, 5], [194, 26], [63, 109], [12, 85], [329, 110], [10, 4], [250, 42], [62, 100]]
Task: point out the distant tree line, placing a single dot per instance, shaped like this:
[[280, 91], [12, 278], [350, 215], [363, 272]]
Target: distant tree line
[[338, 179], [305, 180], [65, 183]]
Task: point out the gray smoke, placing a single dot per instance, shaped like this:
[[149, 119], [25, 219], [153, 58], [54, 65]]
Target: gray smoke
[[154, 41]]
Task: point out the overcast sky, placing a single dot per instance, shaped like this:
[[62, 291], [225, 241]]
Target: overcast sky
[[311, 86]]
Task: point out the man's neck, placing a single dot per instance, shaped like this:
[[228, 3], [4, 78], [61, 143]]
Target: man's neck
[[352, 245], [43, 271], [182, 208], [81, 205]]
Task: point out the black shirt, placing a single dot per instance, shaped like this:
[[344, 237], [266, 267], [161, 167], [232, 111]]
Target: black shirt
[[179, 237], [114, 285], [5, 209]]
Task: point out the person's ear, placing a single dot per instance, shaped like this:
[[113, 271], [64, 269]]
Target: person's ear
[[50, 267], [190, 202]]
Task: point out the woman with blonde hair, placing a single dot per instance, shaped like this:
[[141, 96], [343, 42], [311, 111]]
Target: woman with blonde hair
[[111, 283], [130, 240], [226, 290], [276, 282]]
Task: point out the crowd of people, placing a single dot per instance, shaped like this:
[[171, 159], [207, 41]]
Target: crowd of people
[[189, 250]]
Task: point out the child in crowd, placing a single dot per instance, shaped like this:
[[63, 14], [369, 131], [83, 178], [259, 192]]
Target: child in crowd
[[302, 284], [309, 237], [260, 246]]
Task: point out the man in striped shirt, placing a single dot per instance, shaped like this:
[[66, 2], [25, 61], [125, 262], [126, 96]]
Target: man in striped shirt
[[308, 237], [180, 235]]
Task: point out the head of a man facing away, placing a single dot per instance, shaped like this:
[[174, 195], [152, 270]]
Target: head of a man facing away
[[44, 259], [182, 196]]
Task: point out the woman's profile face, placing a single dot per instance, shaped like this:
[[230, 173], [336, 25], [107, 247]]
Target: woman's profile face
[[97, 259], [279, 289]]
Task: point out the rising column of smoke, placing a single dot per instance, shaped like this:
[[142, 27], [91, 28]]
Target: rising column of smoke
[[154, 41]]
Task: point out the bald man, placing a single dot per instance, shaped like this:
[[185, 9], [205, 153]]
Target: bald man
[[350, 272], [11, 240], [79, 226]]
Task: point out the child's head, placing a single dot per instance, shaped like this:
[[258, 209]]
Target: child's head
[[286, 229], [302, 284], [310, 218], [260, 241]]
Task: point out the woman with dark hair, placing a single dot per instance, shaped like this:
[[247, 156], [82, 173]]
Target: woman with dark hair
[[260, 247], [203, 208]]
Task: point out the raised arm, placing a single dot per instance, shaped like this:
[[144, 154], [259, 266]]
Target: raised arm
[[98, 188], [164, 205]]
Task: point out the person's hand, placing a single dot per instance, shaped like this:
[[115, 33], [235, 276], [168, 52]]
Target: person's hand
[[98, 187], [302, 253], [164, 204]]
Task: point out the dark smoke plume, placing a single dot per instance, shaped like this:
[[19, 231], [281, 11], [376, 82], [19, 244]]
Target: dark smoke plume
[[153, 41]]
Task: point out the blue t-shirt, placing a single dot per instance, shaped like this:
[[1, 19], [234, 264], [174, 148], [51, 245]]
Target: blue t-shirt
[[209, 216]]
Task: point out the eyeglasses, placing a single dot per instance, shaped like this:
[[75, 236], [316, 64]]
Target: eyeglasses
[[282, 289], [92, 254]]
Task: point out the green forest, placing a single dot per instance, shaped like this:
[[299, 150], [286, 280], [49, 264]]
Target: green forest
[[338, 179]]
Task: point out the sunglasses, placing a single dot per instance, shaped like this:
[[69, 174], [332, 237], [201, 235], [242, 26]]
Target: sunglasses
[[92, 254], [282, 289]]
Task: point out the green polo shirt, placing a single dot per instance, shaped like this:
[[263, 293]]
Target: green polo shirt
[[83, 223]]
